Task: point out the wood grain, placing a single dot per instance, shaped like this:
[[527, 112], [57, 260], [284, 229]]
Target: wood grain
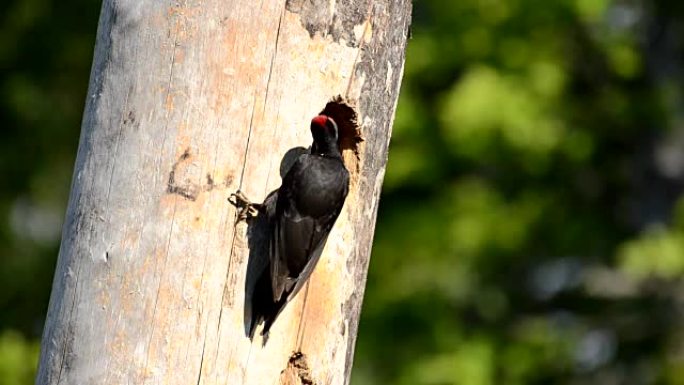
[[189, 101]]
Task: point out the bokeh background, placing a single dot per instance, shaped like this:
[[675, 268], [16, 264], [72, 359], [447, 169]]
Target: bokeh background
[[531, 228]]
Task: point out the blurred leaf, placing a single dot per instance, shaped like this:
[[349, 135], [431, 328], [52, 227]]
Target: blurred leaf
[[625, 60], [483, 222], [18, 359], [591, 10], [471, 363], [487, 109], [658, 252]]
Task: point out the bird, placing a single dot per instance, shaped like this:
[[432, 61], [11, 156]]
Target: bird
[[300, 215]]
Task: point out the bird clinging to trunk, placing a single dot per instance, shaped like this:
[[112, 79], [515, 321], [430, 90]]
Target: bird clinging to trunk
[[300, 215]]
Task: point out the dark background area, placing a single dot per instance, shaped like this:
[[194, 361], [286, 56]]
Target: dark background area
[[531, 228]]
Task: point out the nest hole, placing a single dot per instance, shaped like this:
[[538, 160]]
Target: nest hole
[[344, 114]]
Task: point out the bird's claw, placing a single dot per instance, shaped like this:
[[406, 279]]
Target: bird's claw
[[247, 209]]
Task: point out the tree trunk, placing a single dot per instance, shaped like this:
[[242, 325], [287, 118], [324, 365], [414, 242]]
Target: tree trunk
[[188, 102]]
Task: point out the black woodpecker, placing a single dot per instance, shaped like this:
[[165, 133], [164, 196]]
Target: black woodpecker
[[300, 215]]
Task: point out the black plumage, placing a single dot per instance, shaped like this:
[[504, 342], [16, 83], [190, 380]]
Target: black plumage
[[300, 215]]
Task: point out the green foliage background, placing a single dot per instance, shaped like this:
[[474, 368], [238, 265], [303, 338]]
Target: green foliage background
[[531, 229]]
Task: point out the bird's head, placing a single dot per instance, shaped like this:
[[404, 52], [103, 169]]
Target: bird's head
[[323, 128], [324, 132]]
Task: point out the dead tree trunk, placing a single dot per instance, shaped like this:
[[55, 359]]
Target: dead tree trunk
[[190, 100]]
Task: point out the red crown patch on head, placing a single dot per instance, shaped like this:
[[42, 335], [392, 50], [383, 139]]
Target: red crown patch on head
[[320, 120]]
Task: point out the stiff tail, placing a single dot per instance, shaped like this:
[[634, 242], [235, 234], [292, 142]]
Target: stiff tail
[[264, 309]]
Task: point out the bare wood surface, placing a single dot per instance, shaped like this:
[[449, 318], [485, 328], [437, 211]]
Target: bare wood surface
[[189, 101]]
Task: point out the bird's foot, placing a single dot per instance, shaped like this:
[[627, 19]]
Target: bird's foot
[[247, 209]]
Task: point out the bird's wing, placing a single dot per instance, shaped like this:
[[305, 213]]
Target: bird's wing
[[318, 240], [302, 241], [290, 238], [297, 239]]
